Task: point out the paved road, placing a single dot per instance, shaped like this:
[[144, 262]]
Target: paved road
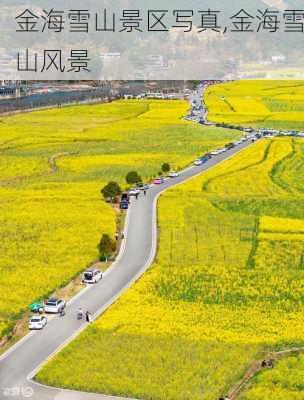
[[20, 363]]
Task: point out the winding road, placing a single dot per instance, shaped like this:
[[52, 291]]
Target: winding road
[[22, 361]]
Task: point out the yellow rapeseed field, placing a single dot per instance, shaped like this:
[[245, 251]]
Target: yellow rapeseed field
[[223, 289], [51, 220], [284, 382], [278, 104]]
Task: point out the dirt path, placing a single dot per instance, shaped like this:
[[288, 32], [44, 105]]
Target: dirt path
[[53, 168], [258, 366]]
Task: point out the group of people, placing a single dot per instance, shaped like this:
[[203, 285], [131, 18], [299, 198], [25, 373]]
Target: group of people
[[87, 314]]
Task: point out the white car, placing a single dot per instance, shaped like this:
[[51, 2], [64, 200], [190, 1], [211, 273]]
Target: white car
[[37, 322], [173, 174], [216, 152], [134, 192], [198, 162], [92, 276], [54, 305]]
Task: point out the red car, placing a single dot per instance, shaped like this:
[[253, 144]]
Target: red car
[[158, 181]]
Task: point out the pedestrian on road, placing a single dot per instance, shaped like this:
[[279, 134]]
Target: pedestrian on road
[[145, 192], [116, 236], [88, 316], [122, 235], [136, 196]]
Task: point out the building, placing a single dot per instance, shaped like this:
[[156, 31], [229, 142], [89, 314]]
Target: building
[[278, 59]]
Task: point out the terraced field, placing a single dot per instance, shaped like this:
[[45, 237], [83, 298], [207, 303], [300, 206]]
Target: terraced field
[[227, 285], [277, 104], [52, 166]]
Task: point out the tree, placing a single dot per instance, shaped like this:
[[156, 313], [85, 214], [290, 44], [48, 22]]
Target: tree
[[106, 247], [111, 191], [166, 167], [133, 177]]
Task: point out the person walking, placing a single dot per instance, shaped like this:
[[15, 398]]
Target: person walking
[[136, 196], [145, 192], [116, 236], [88, 316]]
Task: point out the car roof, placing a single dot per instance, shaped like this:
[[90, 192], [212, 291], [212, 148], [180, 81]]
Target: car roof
[[53, 300]]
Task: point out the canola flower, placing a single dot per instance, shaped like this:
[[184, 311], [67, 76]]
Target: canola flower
[[50, 224], [277, 104], [218, 295], [284, 382]]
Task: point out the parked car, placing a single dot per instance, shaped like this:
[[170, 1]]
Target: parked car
[[204, 159], [37, 307], [124, 205], [198, 162], [54, 305], [215, 152], [158, 181], [207, 156], [173, 174], [229, 146], [124, 201], [134, 192], [37, 322], [92, 276], [125, 196], [143, 186], [218, 151]]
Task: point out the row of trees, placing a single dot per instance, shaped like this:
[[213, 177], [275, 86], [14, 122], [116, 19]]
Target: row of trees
[[107, 246], [112, 190]]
